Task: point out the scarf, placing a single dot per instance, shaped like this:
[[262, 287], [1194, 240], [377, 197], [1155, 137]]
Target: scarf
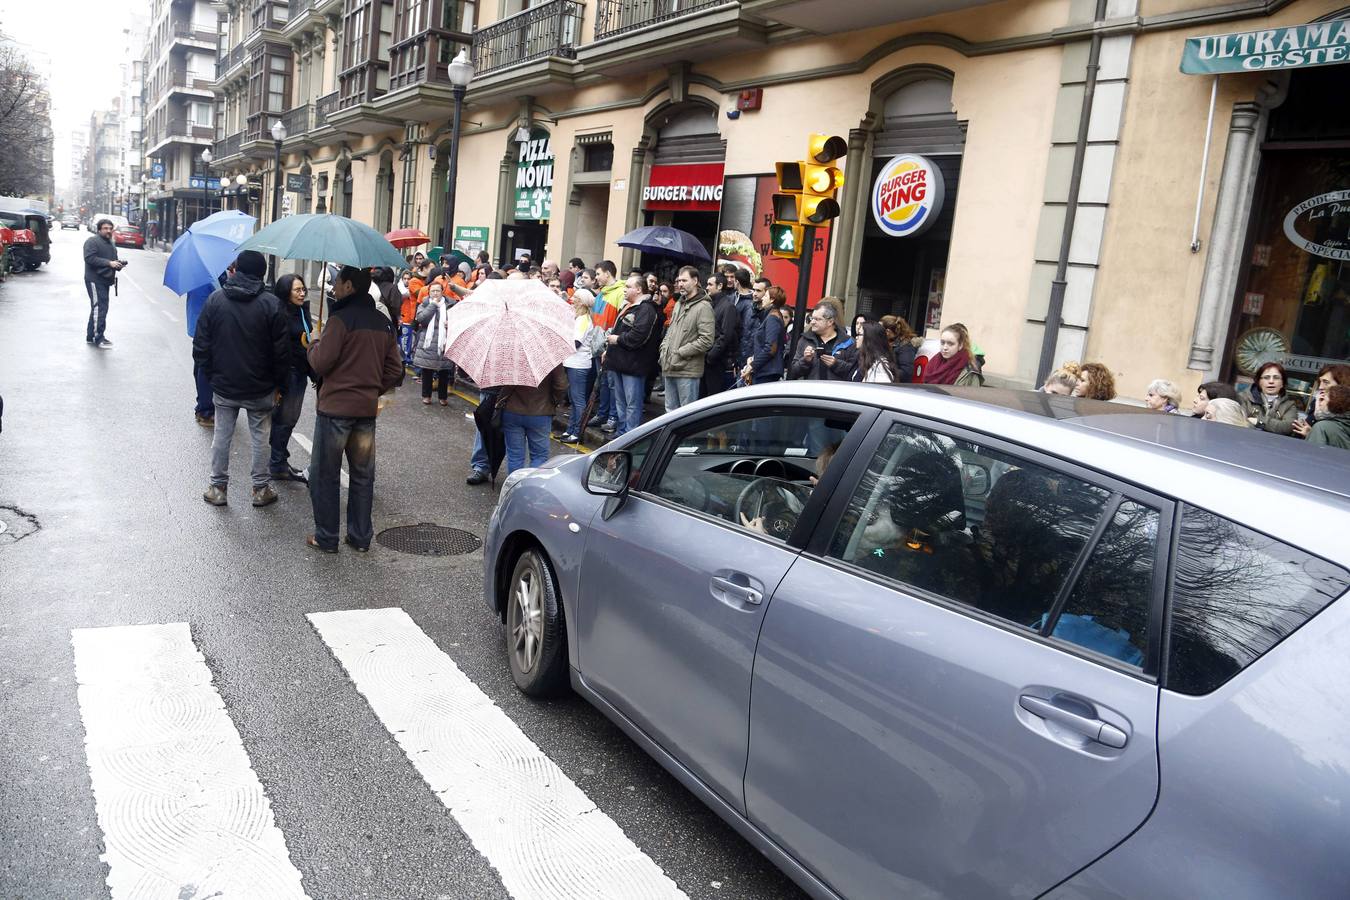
[[438, 331], [945, 371]]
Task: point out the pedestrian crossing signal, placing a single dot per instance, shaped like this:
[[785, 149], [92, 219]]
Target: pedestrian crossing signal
[[785, 240]]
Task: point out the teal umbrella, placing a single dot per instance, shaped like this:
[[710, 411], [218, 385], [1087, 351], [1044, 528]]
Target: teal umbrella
[[324, 237]]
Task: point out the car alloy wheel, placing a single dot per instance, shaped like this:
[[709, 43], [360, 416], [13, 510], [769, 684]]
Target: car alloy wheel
[[536, 639]]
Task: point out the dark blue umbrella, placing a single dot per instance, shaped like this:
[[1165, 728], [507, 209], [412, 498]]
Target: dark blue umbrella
[[662, 240]]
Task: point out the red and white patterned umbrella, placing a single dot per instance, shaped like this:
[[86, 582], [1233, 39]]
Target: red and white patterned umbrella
[[510, 332]]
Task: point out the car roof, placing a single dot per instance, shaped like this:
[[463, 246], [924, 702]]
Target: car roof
[[1274, 484]]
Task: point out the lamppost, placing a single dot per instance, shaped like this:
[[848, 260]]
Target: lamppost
[[278, 135], [206, 182], [460, 72], [241, 192]]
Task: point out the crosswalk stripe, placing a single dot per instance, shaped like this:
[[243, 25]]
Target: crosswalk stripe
[[541, 832], [309, 448], [182, 812]]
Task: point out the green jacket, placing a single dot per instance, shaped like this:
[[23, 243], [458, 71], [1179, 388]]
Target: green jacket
[[688, 337], [1277, 419], [1333, 431]]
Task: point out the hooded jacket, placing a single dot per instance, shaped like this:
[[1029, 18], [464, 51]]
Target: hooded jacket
[[1331, 431], [1278, 418], [242, 342], [638, 330], [357, 357], [688, 338], [841, 347]]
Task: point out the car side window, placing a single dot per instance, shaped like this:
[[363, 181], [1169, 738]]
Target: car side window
[[970, 523], [1235, 594], [755, 472], [1108, 608]]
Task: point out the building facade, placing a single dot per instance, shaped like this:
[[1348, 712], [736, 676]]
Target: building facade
[[1079, 166], [179, 71]]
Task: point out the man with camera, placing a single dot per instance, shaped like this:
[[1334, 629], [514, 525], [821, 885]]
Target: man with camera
[[101, 266]]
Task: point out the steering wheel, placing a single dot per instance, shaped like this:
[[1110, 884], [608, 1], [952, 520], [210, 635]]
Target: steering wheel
[[778, 502]]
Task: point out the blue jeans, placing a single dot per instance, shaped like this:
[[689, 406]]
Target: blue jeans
[[680, 392], [335, 437], [205, 407], [479, 460], [521, 431], [632, 390], [227, 416], [284, 417], [604, 403], [578, 391]]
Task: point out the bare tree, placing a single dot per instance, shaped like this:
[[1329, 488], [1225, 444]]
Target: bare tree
[[25, 127]]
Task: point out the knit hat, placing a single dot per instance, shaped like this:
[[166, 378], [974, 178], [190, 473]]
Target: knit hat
[[251, 262]]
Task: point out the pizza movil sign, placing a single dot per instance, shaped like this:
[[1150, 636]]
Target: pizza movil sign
[[907, 195]]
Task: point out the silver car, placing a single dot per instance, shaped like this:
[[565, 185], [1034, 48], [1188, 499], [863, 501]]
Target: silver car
[[939, 642]]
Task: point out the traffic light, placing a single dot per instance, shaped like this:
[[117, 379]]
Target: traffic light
[[820, 180], [806, 193], [785, 240]]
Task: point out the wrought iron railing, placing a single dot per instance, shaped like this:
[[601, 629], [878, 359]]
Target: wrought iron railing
[[228, 61], [322, 107], [229, 146], [617, 16], [552, 29], [193, 34], [298, 120]]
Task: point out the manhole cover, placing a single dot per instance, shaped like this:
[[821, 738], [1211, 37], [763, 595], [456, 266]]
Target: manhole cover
[[429, 540]]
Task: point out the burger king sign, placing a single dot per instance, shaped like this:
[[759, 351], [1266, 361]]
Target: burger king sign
[[907, 195]]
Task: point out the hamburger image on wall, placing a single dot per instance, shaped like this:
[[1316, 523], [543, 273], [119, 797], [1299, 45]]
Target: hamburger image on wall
[[734, 247]]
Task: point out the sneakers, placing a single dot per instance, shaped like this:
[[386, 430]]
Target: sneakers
[[290, 473], [215, 496], [312, 541], [103, 344], [568, 438], [205, 421], [609, 427], [264, 496], [476, 478], [595, 421]]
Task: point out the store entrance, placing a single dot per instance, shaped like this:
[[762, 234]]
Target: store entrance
[[523, 237]]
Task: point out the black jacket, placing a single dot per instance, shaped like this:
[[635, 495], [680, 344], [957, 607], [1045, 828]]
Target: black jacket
[[242, 341], [97, 254], [296, 318], [727, 339], [841, 347], [905, 352], [639, 334]]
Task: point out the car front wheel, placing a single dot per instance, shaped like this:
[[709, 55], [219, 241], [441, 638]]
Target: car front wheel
[[536, 638]]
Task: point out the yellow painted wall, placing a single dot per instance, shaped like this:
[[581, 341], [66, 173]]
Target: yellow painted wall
[[1148, 285]]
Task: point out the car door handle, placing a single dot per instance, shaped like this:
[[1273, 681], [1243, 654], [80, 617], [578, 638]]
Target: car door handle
[[741, 592], [1092, 728]]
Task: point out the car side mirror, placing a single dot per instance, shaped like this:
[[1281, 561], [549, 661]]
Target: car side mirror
[[608, 473]]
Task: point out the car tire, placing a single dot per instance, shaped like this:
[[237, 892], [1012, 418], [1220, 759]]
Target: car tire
[[536, 638]]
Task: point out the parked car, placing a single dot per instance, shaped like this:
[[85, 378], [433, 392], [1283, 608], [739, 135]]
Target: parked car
[[927, 641], [92, 224], [70, 221], [128, 236]]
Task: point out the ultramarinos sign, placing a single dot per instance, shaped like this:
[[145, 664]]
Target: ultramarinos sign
[[1295, 47]]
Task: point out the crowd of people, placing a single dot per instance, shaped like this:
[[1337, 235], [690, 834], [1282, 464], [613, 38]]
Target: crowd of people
[[258, 349]]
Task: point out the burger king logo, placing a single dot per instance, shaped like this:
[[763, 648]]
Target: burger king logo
[[907, 195]]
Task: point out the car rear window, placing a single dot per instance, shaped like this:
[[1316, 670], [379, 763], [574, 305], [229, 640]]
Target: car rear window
[[1235, 594]]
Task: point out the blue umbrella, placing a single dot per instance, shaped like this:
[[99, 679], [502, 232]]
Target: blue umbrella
[[324, 237], [205, 250], [662, 240]]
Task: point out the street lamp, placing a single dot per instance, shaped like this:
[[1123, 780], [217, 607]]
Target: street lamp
[[206, 181], [460, 72], [278, 135]]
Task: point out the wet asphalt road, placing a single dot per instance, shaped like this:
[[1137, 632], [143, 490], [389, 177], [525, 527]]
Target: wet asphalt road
[[101, 473]]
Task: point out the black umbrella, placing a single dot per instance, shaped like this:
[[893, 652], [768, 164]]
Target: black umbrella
[[490, 428], [662, 240]]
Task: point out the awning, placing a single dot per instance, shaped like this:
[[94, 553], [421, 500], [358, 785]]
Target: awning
[[1294, 47]]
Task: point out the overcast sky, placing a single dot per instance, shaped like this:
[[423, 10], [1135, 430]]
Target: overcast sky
[[84, 46]]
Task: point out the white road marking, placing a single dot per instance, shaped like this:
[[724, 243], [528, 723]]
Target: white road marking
[[540, 831], [182, 812], [309, 448]]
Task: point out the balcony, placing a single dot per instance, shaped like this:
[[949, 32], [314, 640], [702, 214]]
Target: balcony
[[229, 146], [619, 16], [835, 16], [229, 61], [184, 31], [323, 107], [633, 36], [178, 131], [298, 120], [553, 29], [191, 81]]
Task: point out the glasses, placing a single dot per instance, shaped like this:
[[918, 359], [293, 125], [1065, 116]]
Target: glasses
[[299, 287]]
